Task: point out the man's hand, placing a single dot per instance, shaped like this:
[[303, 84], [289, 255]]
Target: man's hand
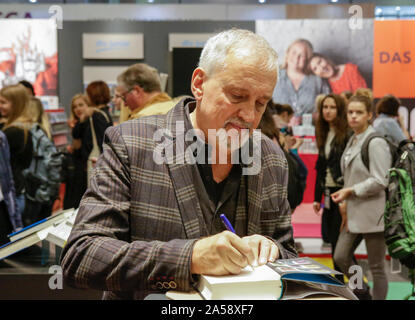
[[264, 249], [221, 254]]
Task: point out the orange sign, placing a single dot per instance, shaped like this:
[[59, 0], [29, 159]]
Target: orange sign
[[394, 58]]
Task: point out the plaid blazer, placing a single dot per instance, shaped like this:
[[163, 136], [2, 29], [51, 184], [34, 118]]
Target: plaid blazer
[[139, 220]]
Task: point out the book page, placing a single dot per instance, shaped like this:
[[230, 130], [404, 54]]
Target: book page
[[261, 273]]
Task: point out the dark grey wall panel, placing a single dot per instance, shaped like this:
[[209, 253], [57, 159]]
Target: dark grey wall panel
[[156, 35]]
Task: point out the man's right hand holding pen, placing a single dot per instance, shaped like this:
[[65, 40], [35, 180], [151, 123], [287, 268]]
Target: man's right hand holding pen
[[227, 253]]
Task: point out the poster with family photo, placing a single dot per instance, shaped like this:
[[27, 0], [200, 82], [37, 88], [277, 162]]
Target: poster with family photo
[[318, 57], [300, 265]]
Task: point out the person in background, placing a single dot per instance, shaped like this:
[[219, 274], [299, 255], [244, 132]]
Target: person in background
[[99, 96], [75, 165], [388, 121], [341, 77], [29, 88], [364, 92], [142, 220], [296, 183], [14, 101], [295, 86], [362, 199], [282, 115], [141, 91], [118, 102], [39, 116], [332, 135], [36, 211], [10, 219], [93, 121]]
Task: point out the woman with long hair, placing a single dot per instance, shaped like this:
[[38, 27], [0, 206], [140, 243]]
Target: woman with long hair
[[39, 116], [14, 102], [34, 210], [331, 138], [362, 198], [74, 166], [341, 77]]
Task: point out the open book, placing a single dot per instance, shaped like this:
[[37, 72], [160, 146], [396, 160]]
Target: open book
[[284, 279], [44, 229]]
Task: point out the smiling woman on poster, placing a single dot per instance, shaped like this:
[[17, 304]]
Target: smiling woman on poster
[[295, 87], [342, 77]]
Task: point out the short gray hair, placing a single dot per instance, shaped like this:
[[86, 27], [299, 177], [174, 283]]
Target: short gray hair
[[242, 44], [142, 75]]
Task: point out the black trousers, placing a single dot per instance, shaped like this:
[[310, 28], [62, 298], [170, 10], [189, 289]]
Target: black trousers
[[6, 226], [330, 228]]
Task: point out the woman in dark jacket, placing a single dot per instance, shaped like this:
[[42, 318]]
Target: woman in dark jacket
[[10, 219], [99, 97], [332, 134], [76, 161]]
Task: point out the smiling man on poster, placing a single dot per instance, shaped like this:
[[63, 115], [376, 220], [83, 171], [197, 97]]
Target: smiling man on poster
[[147, 227]]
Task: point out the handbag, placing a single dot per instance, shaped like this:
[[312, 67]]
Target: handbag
[[95, 152]]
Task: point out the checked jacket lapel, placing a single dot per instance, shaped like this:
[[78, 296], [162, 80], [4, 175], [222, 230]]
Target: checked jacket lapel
[[181, 174]]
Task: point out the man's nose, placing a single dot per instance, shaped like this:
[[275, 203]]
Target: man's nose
[[247, 114]]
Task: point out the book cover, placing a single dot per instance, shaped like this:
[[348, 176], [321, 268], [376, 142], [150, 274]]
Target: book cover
[[284, 279], [304, 277]]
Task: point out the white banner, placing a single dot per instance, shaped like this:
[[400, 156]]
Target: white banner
[[113, 46]]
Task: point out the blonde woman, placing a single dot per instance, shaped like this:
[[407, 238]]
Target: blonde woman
[[14, 102], [35, 210], [295, 87], [39, 116], [75, 175]]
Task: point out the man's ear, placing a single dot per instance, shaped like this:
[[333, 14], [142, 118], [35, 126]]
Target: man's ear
[[198, 78], [138, 89]]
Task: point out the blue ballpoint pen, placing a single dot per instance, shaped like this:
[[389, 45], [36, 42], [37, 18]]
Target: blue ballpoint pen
[[227, 223], [229, 227]]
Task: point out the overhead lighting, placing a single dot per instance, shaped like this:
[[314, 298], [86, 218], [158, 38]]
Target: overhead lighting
[[262, 1], [150, 1], [398, 8], [32, 1], [334, 1], [378, 10]]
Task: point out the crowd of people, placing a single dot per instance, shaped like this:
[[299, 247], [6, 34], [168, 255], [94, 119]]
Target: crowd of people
[[139, 221]]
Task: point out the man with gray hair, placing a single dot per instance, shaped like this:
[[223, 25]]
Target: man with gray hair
[[140, 89], [145, 226]]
